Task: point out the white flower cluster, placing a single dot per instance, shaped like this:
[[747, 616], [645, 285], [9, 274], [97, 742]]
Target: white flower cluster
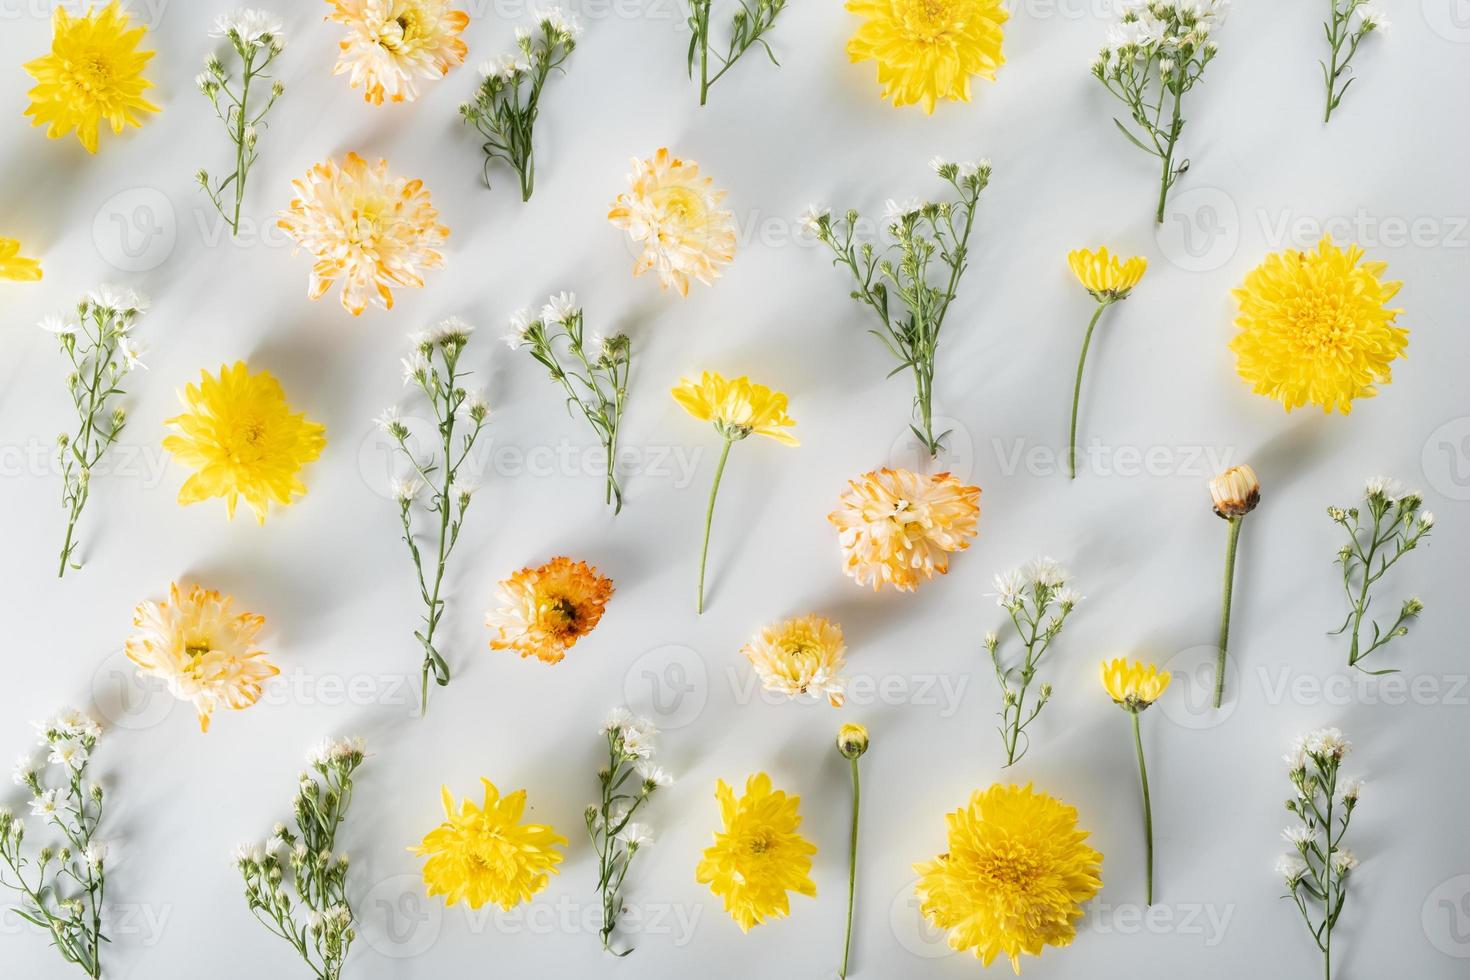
[[1043, 579], [1173, 29], [338, 751], [249, 29]]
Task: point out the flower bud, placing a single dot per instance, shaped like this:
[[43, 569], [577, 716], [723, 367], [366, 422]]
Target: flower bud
[[852, 741], [1236, 492]]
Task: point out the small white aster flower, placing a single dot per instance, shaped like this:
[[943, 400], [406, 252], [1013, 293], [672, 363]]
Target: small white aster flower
[[95, 853], [636, 835], [390, 420], [44, 804], [895, 210], [811, 219], [1327, 742], [1343, 861], [404, 491], [1352, 788], [252, 27], [1291, 867], [58, 324], [1299, 835], [24, 771], [655, 774], [1008, 587], [1046, 571], [68, 752], [560, 308], [132, 353]]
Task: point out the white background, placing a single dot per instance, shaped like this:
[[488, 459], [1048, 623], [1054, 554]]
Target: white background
[[1162, 401]]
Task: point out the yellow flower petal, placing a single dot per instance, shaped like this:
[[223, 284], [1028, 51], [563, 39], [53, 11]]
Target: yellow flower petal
[[927, 50]]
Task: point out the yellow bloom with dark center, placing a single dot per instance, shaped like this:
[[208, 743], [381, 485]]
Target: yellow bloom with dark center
[[675, 214], [15, 266], [1134, 685], [202, 649], [94, 74], [1014, 876], [544, 611], [800, 658], [362, 225], [759, 857], [242, 440], [927, 50], [485, 853], [1105, 275], [1315, 327], [738, 408], [391, 44]]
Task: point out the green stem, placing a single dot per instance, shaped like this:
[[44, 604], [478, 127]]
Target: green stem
[[1168, 178], [1077, 388], [1230, 547], [851, 867], [709, 516], [1148, 813]]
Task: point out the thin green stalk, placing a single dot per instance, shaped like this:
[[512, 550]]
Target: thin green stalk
[[709, 516], [1168, 178], [1148, 813], [1077, 388], [852, 849], [1225, 597]]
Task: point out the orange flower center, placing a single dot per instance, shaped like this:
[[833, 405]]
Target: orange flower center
[[559, 615]]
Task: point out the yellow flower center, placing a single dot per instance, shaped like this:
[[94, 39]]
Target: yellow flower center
[[759, 842], [92, 74], [198, 648], [681, 204], [927, 20], [560, 615], [1318, 321], [1012, 868], [402, 30]]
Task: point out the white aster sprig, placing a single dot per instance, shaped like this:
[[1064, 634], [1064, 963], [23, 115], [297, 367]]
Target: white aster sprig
[[628, 780], [592, 371], [1347, 23], [748, 27], [1319, 868], [1038, 601], [101, 351], [1154, 56], [1387, 528], [433, 367], [59, 884], [909, 292], [296, 882], [508, 100], [255, 36]]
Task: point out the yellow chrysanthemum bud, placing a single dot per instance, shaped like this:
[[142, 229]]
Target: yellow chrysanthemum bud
[[1236, 492], [1133, 686], [852, 740]]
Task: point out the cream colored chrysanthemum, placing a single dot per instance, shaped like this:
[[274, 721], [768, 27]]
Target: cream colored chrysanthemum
[[675, 213], [369, 229], [898, 527], [390, 44], [202, 650], [800, 658]]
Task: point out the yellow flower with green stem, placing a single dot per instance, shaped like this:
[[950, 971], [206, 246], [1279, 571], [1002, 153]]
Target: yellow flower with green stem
[[1110, 280], [1134, 687], [738, 408], [93, 74], [852, 742]]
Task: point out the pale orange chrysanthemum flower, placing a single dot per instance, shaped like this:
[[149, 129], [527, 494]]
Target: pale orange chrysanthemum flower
[[801, 658], [675, 213], [898, 528], [202, 650], [544, 611], [365, 227], [392, 43]]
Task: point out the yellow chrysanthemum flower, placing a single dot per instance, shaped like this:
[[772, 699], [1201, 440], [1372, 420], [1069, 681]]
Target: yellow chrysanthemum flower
[[485, 854], [392, 43], [1134, 685], [93, 73], [927, 50], [800, 658], [373, 231], [15, 266], [242, 440], [898, 528], [758, 857], [675, 213], [544, 611], [1013, 878], [1315, 327], [205, 652], [1105, 275], [737, 408]]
